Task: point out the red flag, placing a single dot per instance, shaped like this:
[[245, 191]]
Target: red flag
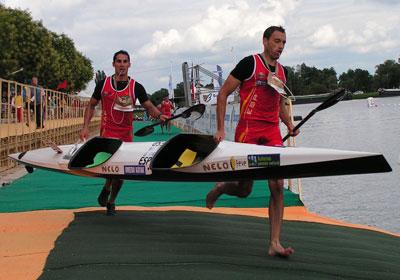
[[62, 85]]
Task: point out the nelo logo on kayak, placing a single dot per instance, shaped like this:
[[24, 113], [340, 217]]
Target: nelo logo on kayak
[[217, 166], [110, 169], [266, 160]]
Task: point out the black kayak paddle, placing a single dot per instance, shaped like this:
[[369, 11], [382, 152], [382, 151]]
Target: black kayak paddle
[[332, 100], [195, 112]]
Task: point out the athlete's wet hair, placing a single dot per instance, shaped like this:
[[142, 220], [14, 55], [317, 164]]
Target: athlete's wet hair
[[121, 52], [268, 32]]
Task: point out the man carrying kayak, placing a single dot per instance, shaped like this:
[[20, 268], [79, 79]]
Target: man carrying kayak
[[261, 79]]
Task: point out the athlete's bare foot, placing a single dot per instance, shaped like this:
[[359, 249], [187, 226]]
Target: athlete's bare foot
[[279, 251], [213, 195]]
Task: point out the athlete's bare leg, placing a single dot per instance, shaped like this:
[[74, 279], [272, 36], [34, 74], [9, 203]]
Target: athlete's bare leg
[[105, 193], [275, 220], [235, 188], [116, 186], [107, 184]]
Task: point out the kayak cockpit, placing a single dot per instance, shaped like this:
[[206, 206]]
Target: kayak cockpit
[[95, 152], [183, 150]]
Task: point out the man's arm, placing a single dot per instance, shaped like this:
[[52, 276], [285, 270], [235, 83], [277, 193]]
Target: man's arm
[[284, 115], [227, 88], [89, 111]]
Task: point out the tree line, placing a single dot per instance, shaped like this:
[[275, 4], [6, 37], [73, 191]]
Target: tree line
[[26, 44], [305, 80]]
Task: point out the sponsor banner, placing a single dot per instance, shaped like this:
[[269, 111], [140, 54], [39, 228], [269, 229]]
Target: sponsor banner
[[238, 163], [267, 160], [210, 97], [134, 170]]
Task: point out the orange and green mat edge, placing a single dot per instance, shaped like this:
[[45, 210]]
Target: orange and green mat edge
[[50, 228]]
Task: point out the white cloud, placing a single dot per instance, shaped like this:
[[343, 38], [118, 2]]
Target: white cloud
[[344, 34], [370, 37], [227, 22], [164, 80], [375, 37], [161, 41], [325, 36]]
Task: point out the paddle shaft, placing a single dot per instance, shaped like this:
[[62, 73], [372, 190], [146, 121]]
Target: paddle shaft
[[199, 108], [300, 124], [167, 120], [335, 98], [191, 109]]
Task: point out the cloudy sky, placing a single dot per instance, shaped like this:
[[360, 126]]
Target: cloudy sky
[[160, 35]]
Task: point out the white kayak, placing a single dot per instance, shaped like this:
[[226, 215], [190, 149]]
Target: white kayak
[[191, 157]]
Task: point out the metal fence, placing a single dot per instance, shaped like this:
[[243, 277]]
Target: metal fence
[[31, 115]]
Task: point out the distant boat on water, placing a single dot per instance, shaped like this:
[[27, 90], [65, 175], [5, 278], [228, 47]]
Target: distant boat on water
[[386, 92]]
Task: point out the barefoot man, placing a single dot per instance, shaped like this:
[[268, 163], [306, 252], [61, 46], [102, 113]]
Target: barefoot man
[[117, 94], [261, 107]]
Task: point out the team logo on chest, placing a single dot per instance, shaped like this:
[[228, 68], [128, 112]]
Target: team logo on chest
[[261, 79]]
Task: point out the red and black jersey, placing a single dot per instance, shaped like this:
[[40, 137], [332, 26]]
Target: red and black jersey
[[166, 107], [258, 100], [117, 123]]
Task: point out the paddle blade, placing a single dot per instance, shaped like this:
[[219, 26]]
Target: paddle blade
[[144, 131], [332, 100], [195, 112]]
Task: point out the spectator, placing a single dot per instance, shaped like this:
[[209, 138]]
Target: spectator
[[37, 99], [17, 102]]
